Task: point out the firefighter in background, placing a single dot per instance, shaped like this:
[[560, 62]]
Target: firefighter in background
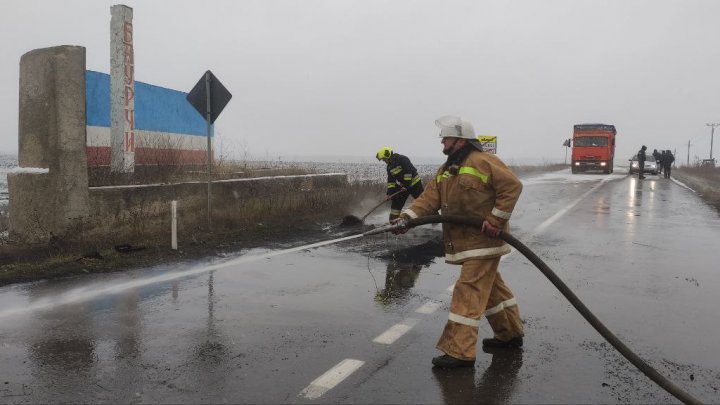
[[401, 176], [472, 183]]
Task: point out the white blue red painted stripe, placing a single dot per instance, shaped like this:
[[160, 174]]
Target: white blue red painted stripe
[[168, 129]]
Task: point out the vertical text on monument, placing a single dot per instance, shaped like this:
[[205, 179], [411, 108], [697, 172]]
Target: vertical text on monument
[[122, 90]]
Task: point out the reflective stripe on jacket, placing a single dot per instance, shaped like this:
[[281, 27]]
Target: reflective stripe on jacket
[[483, 186], [401, 173]]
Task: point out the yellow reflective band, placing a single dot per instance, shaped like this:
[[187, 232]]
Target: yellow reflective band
[[415, 180], [443, 176], [392, 185], [473, 172], [395, 170], [407, 176]]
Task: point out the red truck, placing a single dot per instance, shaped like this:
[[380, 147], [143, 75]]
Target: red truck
[[593, 148]]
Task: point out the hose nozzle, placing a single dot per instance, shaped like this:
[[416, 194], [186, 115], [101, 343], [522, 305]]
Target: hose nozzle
[[400, 224]]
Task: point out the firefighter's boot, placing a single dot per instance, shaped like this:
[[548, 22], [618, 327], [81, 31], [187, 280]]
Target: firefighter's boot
[[513, 343], [447, 361]]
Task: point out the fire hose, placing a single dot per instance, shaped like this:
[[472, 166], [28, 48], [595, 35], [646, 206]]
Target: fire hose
[[638, 362]]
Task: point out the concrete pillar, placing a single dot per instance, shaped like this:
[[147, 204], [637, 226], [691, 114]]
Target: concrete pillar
[[52, 135], [122, 90]]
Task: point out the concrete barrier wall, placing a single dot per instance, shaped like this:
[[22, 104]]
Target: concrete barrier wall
[[127, 213]]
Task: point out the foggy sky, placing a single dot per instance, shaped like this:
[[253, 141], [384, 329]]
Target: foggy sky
[[336, 80]]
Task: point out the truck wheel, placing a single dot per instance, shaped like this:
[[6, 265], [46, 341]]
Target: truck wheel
[[574, 170]]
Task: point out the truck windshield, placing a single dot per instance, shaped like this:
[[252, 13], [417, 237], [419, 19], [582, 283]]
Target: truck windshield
[[591, 141]]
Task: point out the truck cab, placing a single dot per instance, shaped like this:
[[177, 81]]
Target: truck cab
[[593, 148]]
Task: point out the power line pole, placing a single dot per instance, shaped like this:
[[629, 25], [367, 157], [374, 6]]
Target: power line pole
[[688, 158], [712, 132]]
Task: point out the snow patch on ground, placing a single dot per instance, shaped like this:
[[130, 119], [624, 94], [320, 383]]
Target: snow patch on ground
[[29, 170]]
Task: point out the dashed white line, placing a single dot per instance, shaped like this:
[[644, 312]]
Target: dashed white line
[[428, 307], [331, 378], [396, 331]]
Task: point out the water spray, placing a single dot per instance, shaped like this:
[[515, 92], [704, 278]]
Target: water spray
[[90, 292]]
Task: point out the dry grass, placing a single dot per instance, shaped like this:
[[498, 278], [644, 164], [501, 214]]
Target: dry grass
[[705, 180]]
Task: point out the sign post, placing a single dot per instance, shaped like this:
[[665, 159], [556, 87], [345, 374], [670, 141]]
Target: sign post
[[567, 144], [209, 97]]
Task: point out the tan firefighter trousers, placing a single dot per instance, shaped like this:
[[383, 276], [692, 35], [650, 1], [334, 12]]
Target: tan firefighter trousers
[[479, 291]]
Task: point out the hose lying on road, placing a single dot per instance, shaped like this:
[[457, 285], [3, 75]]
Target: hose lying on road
[[645, 368]]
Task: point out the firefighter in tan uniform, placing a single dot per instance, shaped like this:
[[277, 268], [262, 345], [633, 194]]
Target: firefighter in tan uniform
[[473, 183]]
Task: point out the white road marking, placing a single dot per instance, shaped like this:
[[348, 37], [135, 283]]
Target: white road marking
[[429, 307], [567, 208], [331, 378], [396, 331]]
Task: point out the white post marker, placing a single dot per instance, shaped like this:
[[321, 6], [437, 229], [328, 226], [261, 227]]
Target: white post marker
[[173, 224]]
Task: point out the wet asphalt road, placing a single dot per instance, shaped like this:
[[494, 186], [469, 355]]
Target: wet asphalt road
[[642, 255]]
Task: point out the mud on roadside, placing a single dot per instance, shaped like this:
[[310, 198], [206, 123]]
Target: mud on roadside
[[27, 263]]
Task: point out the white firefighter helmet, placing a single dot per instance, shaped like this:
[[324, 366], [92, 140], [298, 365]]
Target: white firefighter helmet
[[452, 126], [456, 127]]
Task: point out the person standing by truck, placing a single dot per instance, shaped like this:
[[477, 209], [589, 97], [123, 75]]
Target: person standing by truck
[[641, 162]]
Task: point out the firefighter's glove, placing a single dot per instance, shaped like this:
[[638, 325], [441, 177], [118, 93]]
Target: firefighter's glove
[[402, 226], [490, 229]]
